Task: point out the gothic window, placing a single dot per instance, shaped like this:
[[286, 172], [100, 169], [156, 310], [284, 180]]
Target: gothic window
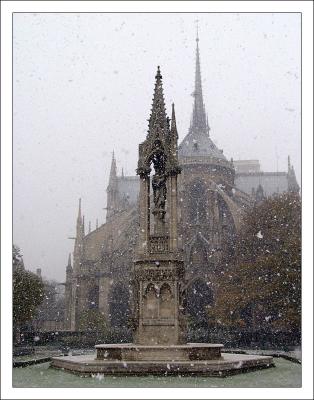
[[93, 297], [197, 203], [119, 306], [227, 226], [198, 258]]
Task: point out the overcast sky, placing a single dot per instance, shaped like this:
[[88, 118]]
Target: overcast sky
[[83, 86]]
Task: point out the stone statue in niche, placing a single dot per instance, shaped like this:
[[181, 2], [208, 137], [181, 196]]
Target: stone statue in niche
[[160, 191], [159, 185]]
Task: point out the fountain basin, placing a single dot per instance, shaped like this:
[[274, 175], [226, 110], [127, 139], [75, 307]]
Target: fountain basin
[[227, 364]]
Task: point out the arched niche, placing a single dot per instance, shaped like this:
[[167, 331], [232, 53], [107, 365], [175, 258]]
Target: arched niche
[[150, 309], [167, 302]]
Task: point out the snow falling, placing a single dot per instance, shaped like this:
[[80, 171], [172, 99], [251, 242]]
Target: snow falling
[[156, 231]]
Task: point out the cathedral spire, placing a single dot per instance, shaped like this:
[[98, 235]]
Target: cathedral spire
[[113, 168], [158, 117], [79, 216], [112, 189], [199, 124], [79, 222], [78, 245]]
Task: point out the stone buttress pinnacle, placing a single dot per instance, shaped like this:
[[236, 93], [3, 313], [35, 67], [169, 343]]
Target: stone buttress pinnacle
[[69, 260], [173, 122]]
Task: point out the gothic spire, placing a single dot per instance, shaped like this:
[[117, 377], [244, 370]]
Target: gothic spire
[[69, 266], [199, 124], [79, 231], [79, 216], [69, 269], [158, 117], [113, 169], [79, 220]]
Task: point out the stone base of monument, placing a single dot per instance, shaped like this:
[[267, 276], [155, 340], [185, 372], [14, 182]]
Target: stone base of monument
[[189, 359]]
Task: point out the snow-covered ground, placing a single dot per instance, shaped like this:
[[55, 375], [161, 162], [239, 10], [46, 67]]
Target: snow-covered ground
[[286, 374], [295, 354]]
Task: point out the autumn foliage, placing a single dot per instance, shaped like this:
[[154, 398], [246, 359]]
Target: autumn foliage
[[28, 291], [260, 285]]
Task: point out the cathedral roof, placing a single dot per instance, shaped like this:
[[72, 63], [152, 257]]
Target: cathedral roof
[[197, 142], [199, 145]]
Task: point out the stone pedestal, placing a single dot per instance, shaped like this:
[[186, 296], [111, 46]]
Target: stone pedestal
[[133, 352], [158, 317]]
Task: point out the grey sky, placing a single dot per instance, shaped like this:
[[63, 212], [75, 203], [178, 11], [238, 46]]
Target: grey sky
[[83, 86]]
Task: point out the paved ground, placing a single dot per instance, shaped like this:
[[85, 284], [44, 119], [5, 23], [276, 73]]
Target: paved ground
[[296, 354], [285, 374]]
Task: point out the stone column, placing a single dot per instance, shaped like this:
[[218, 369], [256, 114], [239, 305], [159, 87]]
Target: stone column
[[144, 214], [173, 220]]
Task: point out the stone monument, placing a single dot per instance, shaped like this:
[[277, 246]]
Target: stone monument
[[158, 281], [158, 275]]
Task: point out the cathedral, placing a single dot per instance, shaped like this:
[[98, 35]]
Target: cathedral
[[213, 194]]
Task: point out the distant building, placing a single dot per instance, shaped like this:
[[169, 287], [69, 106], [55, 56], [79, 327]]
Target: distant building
[[246, 166], [213, 195], [249, 177]]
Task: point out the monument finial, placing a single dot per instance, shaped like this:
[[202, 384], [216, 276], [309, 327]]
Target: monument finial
[[158, 75], [158, 115]]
